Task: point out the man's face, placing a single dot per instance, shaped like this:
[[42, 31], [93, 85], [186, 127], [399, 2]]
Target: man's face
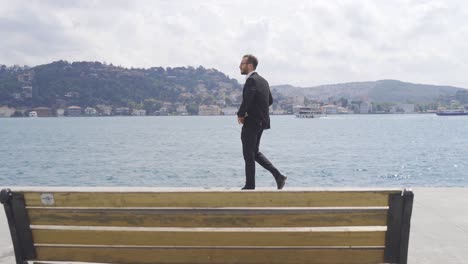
[[244, 67]]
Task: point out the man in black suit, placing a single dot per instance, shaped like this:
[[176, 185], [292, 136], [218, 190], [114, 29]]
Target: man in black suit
[[254, 115]]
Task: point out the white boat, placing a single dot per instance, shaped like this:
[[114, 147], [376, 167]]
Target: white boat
[[452, 112], [33, 114], [308, 112]]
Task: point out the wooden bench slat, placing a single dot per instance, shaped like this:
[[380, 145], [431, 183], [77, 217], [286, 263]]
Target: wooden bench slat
[[209, 238], [210, 256], [213, 199], [208, 217]]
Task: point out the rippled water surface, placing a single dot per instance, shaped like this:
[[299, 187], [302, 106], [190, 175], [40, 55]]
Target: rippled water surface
[[335, 151]]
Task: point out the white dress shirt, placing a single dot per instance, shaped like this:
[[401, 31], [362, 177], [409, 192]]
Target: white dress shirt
[[248, 75]]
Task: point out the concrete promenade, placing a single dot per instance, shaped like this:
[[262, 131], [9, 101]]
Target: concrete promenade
[[439, 228]]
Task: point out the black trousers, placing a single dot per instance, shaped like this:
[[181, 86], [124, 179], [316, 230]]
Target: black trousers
[[250, 136]]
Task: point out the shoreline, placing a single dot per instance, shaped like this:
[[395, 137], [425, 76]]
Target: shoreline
[[172, 115]]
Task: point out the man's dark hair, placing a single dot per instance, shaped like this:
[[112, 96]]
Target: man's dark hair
[[251, 59]]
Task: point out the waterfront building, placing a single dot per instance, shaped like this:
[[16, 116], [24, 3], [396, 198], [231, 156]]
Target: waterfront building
[[89, 111], [73, 111], [209, 110], [104, 110], [43, 111], [181, 109], [139, 112], [60, 112], [163, 111], [6, 111], [122, 111]]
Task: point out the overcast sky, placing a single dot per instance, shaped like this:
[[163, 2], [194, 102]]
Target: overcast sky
[[303, 43]]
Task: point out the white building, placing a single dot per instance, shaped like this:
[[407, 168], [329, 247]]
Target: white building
[[139, 112], [73, 111], [105, 110], [90, 111], [60, 112], [122, 111], [181, 109], [342, 110], [208, 110], [26, 77]]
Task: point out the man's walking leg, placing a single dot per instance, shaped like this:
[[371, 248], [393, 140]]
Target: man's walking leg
[[265, 163], [262, 160], [249, 143]]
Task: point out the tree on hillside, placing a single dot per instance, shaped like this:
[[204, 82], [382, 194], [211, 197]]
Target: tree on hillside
[[151, 105], [192, 109]]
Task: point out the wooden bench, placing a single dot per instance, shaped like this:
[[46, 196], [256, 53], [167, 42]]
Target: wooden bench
[[133, 226]]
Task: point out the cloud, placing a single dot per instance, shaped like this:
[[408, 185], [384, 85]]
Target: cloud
[[303, 43]]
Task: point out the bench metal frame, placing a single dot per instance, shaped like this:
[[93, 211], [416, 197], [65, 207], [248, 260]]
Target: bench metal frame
[[18, 222]]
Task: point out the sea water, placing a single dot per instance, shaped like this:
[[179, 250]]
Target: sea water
[[205, 151]]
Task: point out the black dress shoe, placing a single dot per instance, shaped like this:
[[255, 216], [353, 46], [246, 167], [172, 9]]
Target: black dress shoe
[[281, 181], [248, 188]]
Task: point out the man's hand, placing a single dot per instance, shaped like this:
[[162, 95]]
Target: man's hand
[[240, 120]]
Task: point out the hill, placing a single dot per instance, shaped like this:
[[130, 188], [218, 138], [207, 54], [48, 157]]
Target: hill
[[377, 91], [61, 84]]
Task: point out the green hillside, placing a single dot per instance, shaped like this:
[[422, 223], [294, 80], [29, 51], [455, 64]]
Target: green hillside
[[61, 84]]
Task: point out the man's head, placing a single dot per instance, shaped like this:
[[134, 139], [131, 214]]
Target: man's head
[[248, 64]]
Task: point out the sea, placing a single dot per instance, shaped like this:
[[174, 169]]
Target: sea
[[407, 150]]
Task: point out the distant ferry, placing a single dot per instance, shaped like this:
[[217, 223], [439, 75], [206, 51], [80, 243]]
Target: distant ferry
[[33, 114], [308, 112], [452, 112]]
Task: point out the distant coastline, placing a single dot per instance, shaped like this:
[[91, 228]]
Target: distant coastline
[[62, 88]]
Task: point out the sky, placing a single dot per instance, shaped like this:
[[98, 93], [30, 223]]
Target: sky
[[302, 43]]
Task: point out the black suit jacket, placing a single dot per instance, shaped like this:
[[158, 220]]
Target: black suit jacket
[[256, 100]]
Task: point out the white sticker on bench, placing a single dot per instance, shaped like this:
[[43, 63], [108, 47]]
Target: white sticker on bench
[[47, 199]]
